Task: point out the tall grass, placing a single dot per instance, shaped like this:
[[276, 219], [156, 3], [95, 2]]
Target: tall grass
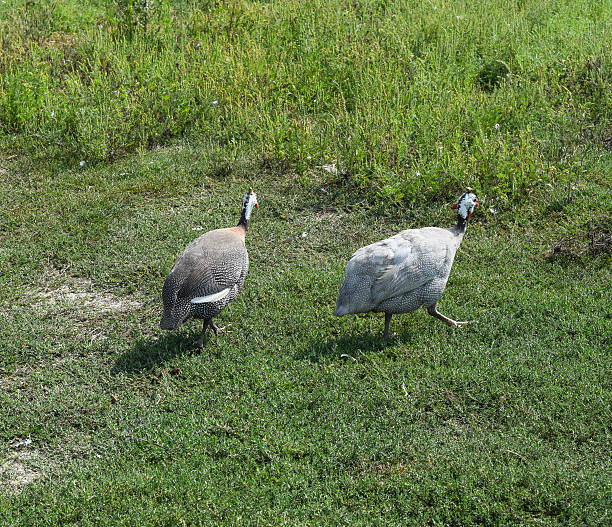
[[405, 97]]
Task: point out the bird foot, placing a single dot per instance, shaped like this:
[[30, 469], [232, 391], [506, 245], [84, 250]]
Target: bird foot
[[458, 324], [449, 321], [218, 329]]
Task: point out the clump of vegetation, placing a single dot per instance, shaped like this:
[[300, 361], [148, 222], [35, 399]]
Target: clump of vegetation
[[593, 239], [492, 74], [405, 98]]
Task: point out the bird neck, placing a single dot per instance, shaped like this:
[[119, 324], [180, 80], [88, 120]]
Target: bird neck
[[461, 225], [245, 217]]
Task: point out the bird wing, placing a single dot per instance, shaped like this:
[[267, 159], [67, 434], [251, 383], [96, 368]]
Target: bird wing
[[413, 258], [213, 262]]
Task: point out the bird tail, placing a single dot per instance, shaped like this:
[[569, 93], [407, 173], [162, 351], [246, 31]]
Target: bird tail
[[169, 322], [340, 311], [341, 306], [353, 296]]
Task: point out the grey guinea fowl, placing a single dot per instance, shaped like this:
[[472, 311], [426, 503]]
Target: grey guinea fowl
[[404, 272], [208, 275]]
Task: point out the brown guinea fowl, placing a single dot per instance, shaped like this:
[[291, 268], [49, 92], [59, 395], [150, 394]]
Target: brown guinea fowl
[[404, 272], [208, 275]]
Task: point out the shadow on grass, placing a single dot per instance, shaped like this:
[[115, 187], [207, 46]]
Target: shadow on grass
[[151, 352], [349, 347]]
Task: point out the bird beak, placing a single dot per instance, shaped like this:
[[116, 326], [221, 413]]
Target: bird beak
[[454, 206], [477, 204], [256, 205]]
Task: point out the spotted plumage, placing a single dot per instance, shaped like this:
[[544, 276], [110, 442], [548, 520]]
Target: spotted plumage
[[404, 272], [208, 275]]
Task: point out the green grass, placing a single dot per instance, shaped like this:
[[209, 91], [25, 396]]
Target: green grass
[[295, 417], [505, 421], [409, 98]]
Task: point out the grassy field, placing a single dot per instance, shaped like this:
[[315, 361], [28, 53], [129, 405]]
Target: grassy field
[[410, 98], [127, 132]]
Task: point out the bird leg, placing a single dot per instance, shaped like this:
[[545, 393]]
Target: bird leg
[[387, 322], [433, 311], [200, 342], [206, 324]]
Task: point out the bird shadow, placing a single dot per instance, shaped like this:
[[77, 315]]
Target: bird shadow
[[348, 347], [147, 353]]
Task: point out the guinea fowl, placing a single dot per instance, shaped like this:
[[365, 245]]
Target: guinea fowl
[[208, 275], [404, 272]]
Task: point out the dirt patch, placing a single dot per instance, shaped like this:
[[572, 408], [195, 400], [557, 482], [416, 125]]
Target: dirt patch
[[81, 293], [332, 217], [19, 469], [321, 220]]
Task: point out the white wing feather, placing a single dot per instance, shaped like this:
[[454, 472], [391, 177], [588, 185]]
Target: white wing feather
[[211, 298]]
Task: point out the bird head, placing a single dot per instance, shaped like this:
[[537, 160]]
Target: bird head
[[465, 204]]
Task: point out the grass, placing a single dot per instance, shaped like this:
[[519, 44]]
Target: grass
[[408, 99], [295, 417], [505, 421]]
